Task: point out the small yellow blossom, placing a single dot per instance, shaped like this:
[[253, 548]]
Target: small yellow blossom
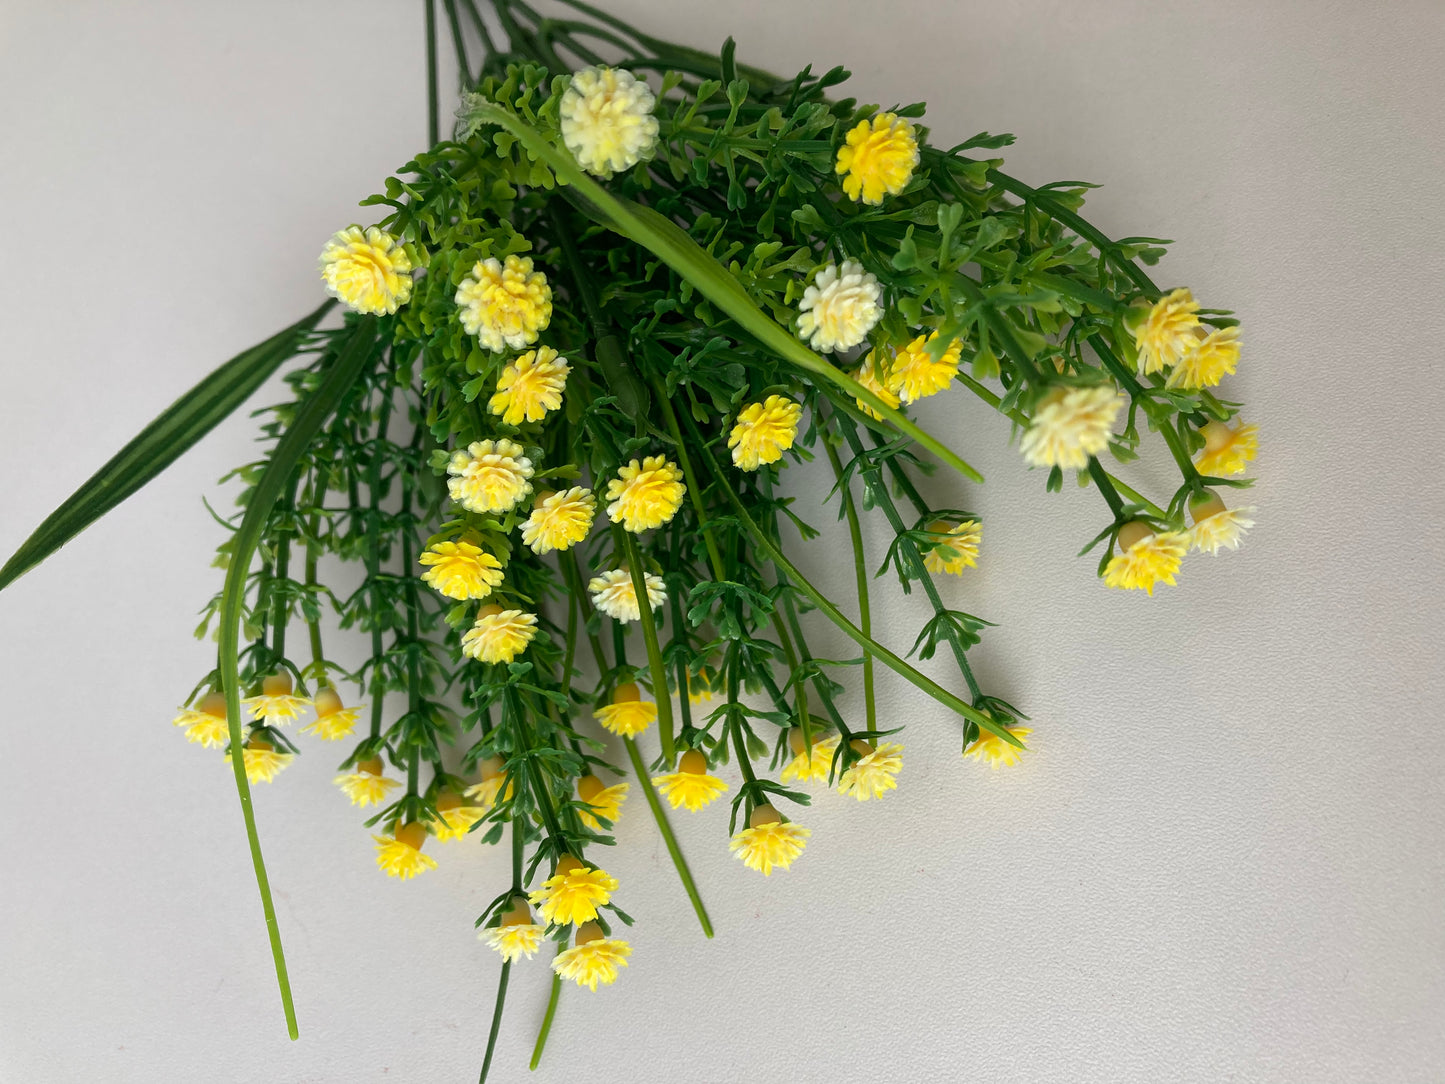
[[333, 722], [1166, 334], [367, 271], [1070, 425], [206, 722], [878, 158], [261, 760], [499, 635], [1216, 527], [530, 386], [490, 476], [628, 715], [614, 593], [505, 304], [916, 375], [872, 775], [516, 935], [603, 801], [699, 685], [593, 958], [1227, 449], [957, 547], [485, 793], [840, 307], [1212, 359], [645, 495], [573, 893], [868, 377], [806, 767], [690, 786], [399, 854], [454, 817], [1145, 559], [991, 749], [559, 520], [764, 431], [275, 705], [767, 843], [460, 570], [606, 120], [366, 786]]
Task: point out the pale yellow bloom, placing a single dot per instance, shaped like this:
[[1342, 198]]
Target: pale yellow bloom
[[764, 431], [808, 767], [1145, 559], [261, 760], [957, 547], [1212, 359], [1166, 334], [1227, 449], [454, 818], [505, 304], [690, 786], [840, 307], [399, 855], [206, 722], [991, 749], [602, 801], [614, 593], [916, 375], [699, 686], [490, 476], [869, 379], [516, 935], [1070, 425], [559, 520], [367, 271], [460, 570], [645, 495], [276, 705], [333, 722], [767, 843], [573, 893], [593, 958], [872, 775], [1216, 527], [530, 386], [499, 635], [878, 158], [606, 120], [366, 786], [628, 715], [486, 793]]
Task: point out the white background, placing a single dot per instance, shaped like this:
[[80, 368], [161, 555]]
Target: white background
[[1224, 859]]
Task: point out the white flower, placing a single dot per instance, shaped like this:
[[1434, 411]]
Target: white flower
[[1071, 425], [613, 594], [840, 308], [607, 120]]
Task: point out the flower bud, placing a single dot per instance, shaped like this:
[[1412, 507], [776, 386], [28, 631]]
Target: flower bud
[[693, 762], [491, 609], [861, 747], [1132, 533], [1216, 435], [213, 704], [588, 931], [490, 768], [764, 814], [566, 864], [259, 743], [519, 914], [372, 766], [589, 787], [1205, 505], [448, 799], [412, 834], [626, 693], [327, 702]]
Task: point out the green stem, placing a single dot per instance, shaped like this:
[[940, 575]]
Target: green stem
[[694, 491], [654, 652], [547, 1019], [433, 111], [658, 814], [860, 575], [496, 1020]]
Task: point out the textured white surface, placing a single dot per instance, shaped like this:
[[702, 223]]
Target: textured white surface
[[1224, 860]]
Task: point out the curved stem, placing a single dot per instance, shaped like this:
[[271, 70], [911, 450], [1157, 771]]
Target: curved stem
[[547, 1019], [496, 1020], [658, 814], [655, 662], [860, 575]]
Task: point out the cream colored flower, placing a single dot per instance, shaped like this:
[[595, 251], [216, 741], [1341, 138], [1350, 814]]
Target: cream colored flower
[[593, 958], [366, 786], [1212, 359], [764, 431], [516, 934], [490, 476], [261, 760], [1145, 559], [607, 120], [839, 309], [989, 748], [957, 547], [1216, 527], [368, 271], [530, 386], [1070, 425], [872, 775], [1166, 333], [399, 855], [878, 158], [206, 722], [806, 767], [276, 705], [614, 594], [333, 721], [505, 304], [559, 520], [499, 635], [767, 843], [645, 495], [1227, 449]]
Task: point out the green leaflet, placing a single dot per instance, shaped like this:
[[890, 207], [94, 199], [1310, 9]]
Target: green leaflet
[[160, 444], [313, 414]]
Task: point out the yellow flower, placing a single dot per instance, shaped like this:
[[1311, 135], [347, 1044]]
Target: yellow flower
[[573, 893], [494, 779], [1216, 527], [699, 685], [490, 476], [333, 722], [366, 786], [628, 715], [767, 843], [691, 785], [806, 767], [530, 386], [516, 935], [878, 158], [957, 547], [1070, 425], [994, 750], [606, 120], [614, 593], [206, 722], [764, 431], [1214, 357], [399, 854], [1145, 558], [368, 272], [559, 520], [261, 760], [645, 495], [1166, 334], [603, 801], [505, 304], [275, 705], [460, 570], [871, 776], [916, 375], [454, 818], [840, 307], [868, 377], [499, 635], [593, 958], [1227, 449]]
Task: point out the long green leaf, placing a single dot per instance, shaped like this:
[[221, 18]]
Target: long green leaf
[[312, 415], [160, 444]]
